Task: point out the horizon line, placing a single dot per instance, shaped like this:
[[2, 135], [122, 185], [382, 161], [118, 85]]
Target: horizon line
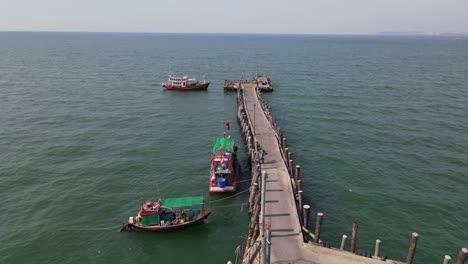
[[381, 33]]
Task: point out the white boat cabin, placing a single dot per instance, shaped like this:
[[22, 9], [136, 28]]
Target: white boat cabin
[[181, 81]]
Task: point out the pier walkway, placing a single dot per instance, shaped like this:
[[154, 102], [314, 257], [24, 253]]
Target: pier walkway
[[280, 208]]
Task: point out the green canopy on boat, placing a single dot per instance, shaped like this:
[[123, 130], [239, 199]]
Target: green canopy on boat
[[226, 143], [182, 202]]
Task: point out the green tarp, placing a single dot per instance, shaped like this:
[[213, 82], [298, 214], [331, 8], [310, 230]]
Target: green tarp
[[226, 143], [182, 202]]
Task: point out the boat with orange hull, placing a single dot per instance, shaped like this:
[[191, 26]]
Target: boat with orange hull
[[168, 215], [185, 83], [225, 169]]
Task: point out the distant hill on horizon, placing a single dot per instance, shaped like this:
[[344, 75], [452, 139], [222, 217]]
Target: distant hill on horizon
[[422, 33]]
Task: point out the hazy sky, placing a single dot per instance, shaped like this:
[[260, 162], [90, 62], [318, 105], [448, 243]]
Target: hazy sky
[[235, 16]]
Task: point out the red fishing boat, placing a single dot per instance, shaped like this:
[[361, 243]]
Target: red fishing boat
[[225, 169], [185, 83], [168, 215]]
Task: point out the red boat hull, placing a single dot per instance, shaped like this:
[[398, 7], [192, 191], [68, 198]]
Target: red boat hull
[[195, 87]]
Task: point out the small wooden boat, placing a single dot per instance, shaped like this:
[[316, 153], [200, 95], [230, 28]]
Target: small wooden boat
[[168, 215], [224, 170]]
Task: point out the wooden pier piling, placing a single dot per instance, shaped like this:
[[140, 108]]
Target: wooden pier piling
[[297, 174], [290, 166], [262, 200], [299, 198], [412, 248], [447, 259], [268, 245], [343, 242], [462, 256], [354, 237], [253, 193], [377, 248], [306, 213], [318, 225]]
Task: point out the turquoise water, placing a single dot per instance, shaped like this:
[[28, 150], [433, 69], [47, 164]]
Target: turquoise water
[[378, 124]]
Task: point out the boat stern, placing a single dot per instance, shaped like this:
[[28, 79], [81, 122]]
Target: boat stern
[[227, 188]]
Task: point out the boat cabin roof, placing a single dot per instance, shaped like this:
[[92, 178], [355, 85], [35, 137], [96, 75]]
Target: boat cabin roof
[[226, 143], [182, 202], [184, 78]]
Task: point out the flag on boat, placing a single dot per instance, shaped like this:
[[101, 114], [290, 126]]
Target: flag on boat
[[228, 126]]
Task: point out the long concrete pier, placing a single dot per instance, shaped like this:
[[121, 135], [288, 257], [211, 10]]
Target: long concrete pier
[[280, 208], [279, 226]]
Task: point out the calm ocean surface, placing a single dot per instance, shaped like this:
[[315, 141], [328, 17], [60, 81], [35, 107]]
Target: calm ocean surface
[[379, 126]]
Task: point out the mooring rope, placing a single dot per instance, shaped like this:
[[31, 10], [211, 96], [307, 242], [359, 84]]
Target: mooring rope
[[243, 181], [231, 205], [91, 229], [229, 196]]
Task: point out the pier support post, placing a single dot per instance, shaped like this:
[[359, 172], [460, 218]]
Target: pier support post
[[290, 166], [254, 254], [306, 213], [253, 194], [354, 237], [462, 256], [268, 245], [305, 221], [318, 225], [284, 143], [377, 248], [254, 220], [286, 158], [412, 248], [262, 202], [447, 259], [255, 175], [263, 257], [343, 242], [299, 193], [299, 198], [297, 174]]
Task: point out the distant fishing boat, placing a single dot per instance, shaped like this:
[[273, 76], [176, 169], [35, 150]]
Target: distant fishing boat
[[224, 169], [185, 83], [167, 215]]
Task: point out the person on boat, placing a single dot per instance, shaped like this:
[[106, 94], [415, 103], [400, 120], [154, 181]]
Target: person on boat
[[147, 206]]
